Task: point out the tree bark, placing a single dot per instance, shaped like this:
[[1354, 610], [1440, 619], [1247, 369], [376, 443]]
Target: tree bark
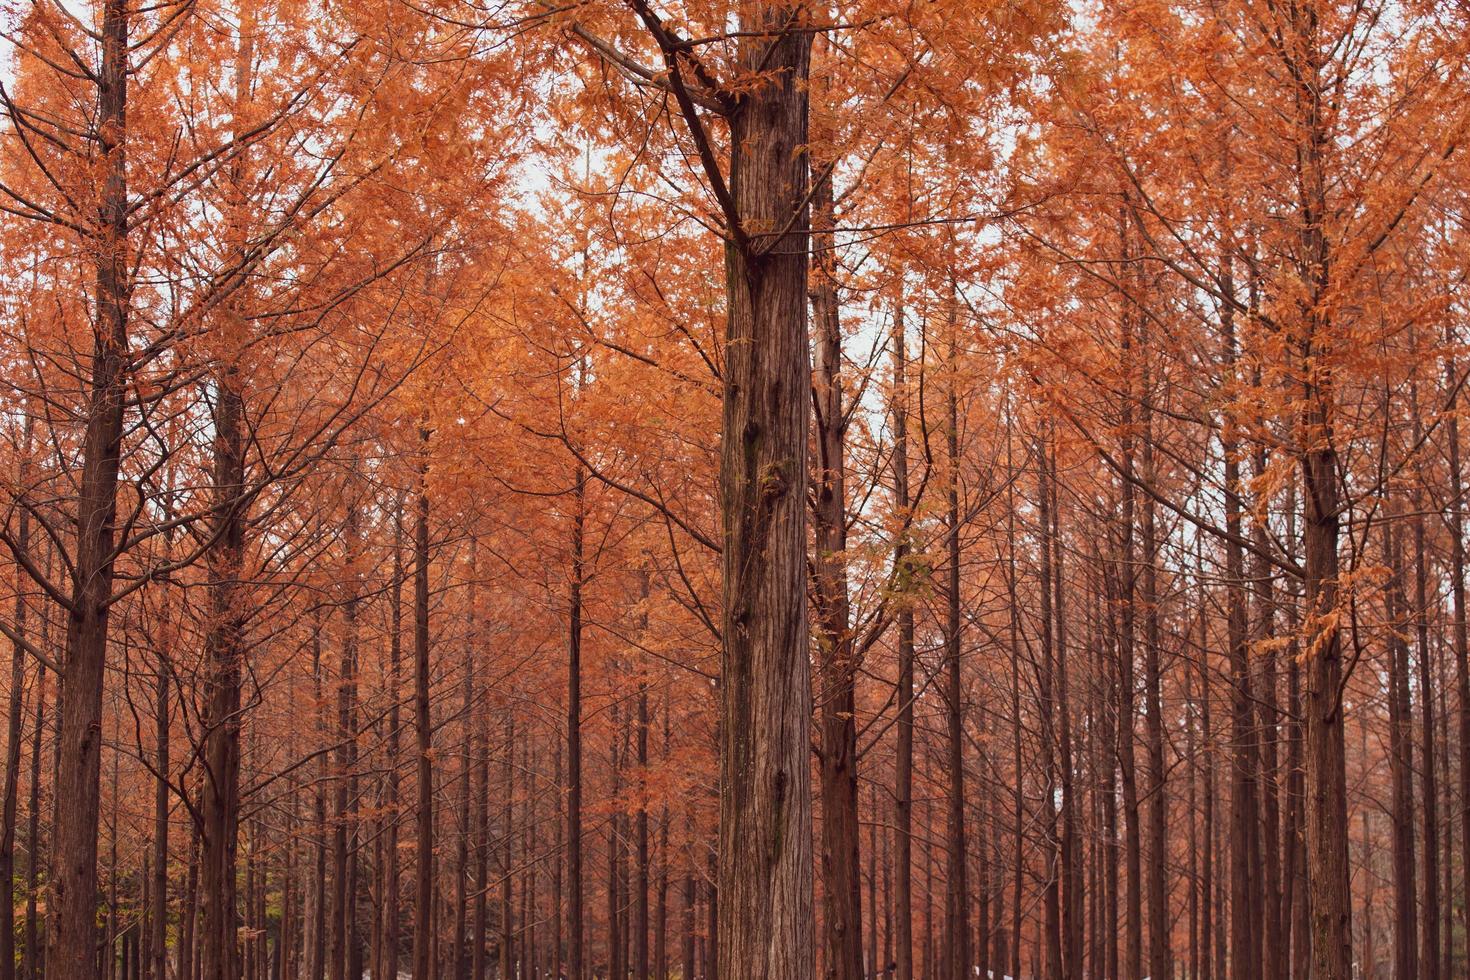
[[765, 863], [903, 901], [424, 870], [837, 760], [13, 737], [956, 960], [224, 651], [574, 734], [72, 933]]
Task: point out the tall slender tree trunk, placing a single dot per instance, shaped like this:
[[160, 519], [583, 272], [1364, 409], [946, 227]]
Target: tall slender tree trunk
[[13, 737], [1326, 771], [1460, 631], [1401, 761], [224, 650], [1049, 710], [423, 960], [72, 932], [1429, 951], [158, 942], [507, 907], [837, 761], [344, 815], [391, 899], [903, 899], [640, 834], [1160, 960], [574, 733], [957, 892], [31, 957]]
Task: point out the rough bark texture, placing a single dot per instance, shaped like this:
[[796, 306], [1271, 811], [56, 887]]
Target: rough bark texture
[[903, 910], [72, 932], [841, 880], [220, 826], [764, 910], [574, 737], [424, 871]]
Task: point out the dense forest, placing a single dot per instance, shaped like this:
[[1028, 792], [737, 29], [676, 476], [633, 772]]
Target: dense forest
[[741, 489]]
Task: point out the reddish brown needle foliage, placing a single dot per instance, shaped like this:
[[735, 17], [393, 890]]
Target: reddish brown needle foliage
[[758, 490]]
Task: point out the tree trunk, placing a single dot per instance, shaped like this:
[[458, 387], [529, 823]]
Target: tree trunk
[[903, 900], [765, 862], [224, 651], [391, 899], [574, 734], [72, 932], [837, 761], [31, 958], [640, 833], [158, 949], [1401, 762], [1429, 952], [13, 737], [424, 869], [957, 893]]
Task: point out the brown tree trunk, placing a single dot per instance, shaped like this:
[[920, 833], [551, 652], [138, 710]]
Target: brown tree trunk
[[1401, 762], [903, 900], [390, 953], [224, 650], [1326, 779], [344, 804], [1160, 961], [507, 908], [957, 893], [13, 737], [690, 899], [1460, 631], [72, 932], [31, 956], [764, 904], [1245, 904], [158, 949], [1429, 952], [424, 871], [1326, 776], [837, 761], [1048, 709], [640, 834], [576, 970]]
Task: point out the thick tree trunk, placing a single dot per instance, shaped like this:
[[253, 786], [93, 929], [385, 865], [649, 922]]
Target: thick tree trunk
[[764, 905]]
